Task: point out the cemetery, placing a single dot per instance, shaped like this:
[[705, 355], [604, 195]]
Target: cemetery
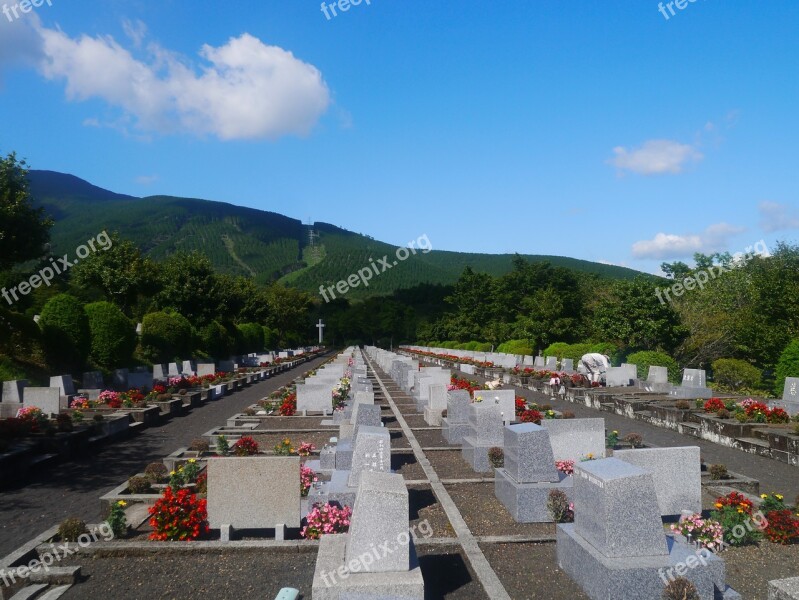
[[469, 488]]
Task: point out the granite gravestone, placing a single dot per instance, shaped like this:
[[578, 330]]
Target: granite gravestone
[[506, 400], [455, 426], [13, 390], [348, 566], [677, 473], [436, 405], [568, 365], [254, 492], [485, 420], [314, 397], [576, 439], [524, 483], [693, 385], [552, 363], [371, 452], [48, 400], [539, 362], [790, 397], [617, 548], [64, 383], [93, 380]]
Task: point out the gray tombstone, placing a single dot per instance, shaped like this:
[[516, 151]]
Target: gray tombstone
[[552, 363], [576, 439], [617, 548], [63, 383], [529, 475], [371, 452], [677, 474], [617, 377], [49, 400], [348, 566], [658, 375], [13, 390], [174, 370], [189, 367], [693, 385], [139, 381], [568, 365], [790, 396], [204, 369], [455, 426], [253, 492], [159, 372], [93, 380], [485, 420], [539, 362], [315, 397], [506, 400]]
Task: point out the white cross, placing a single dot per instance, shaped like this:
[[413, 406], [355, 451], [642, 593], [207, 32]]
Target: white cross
[[321, 327]]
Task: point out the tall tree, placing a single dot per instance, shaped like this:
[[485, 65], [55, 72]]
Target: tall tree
[[24, 230]]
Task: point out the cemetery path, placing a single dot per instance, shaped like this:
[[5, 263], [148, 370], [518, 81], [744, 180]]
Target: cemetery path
[[774, 476], [73, 489]]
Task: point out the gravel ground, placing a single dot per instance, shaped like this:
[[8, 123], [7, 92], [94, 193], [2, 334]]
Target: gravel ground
[[73, 488], [536, 576], [449, 464], [485, 515], [424, 506], [749, 569], [406, 465]]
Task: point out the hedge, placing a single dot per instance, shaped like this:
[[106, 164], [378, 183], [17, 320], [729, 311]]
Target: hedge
[[166, 337], [65, 333]]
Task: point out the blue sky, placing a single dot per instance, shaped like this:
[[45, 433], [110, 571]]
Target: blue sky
[[599, 130]]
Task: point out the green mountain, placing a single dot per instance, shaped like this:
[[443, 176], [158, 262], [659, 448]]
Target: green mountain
[[260, 244]]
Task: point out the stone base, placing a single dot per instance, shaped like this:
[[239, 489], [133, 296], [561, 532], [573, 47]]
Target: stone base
[[475, 453], [344, 455], [792, 408], [527, 502], [454, 432], [684, 393], [335, 491], [420, 404], [657, 388], [333, 581], [641, 577], [433, 416], [784, 589]]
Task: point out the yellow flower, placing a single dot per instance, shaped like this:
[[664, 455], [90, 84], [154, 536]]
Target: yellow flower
[[740, 510], [286, 441], [172, 473], [291, 450], [778, 496], [764, 496], [616, 432], [122, 503], [719, 505], [192, 461]]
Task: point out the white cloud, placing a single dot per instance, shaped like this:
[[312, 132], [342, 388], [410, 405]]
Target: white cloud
[[671, 246], [147, 179], [778, 217], [655, 157], [243, 89], [135, 30]]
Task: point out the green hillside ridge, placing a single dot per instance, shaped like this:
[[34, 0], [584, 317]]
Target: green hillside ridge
[[255, 243]]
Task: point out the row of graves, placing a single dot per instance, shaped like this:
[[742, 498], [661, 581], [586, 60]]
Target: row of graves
[[617, 546], [42, 425], [756, 425]]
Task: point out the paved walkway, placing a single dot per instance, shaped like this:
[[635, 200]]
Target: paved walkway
[[73, 489]]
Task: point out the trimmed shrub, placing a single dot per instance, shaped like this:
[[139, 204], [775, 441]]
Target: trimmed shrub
[[680, 589], [718, 472], [787, 366], [200, 445], [250, 338], [736, 374], [644, 360], [516, 347], [165, 337], [156, 472], [496, 457], [71, 529], [65, 333], [113, 335], [216, 341], [139, 485]]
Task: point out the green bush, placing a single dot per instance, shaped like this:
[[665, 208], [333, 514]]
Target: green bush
[[484, 347], [113, 335], [9, 371], [644, 360], [165, 337], [19, 335], [250, 338], [65, 333], [216, 341], [736, 374], [271, 338], [572, 351], [787, 366], [516, 347], [71, 529], [557, 349]]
